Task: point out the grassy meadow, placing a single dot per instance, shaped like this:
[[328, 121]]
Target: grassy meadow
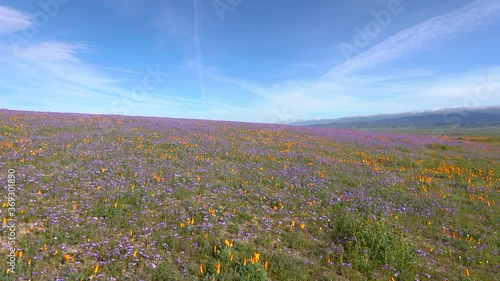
[[480, 134], [129, 198]]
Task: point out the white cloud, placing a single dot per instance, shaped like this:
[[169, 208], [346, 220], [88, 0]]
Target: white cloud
[[117, 69], [51, 75], [482, 85], [12, 20], [462, 19], [245, 85], [53, 51], [344, 90], [60, 80]]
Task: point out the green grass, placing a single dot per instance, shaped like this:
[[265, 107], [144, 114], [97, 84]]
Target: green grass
[[483, 135], [202, 203]]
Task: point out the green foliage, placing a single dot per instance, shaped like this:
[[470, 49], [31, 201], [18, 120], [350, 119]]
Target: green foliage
[[233, 262], [313, 204], [370, 243], [164, 272]]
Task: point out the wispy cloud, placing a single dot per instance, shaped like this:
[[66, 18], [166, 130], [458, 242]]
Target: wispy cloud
[[186, 28], [50, 73], [191, 101], [482, 85], [199, 54], [55, 75], [117, 69], [462, 19], [245, 85], [53, 51], [59, 79], [12, 20], [343, 89]]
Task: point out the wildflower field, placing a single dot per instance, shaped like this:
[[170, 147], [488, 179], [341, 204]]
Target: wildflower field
[[136, 198]]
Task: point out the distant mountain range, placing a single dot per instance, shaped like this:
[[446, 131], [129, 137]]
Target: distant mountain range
[[459, 117]]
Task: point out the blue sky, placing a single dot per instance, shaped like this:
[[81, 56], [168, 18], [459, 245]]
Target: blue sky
[[249, 60]]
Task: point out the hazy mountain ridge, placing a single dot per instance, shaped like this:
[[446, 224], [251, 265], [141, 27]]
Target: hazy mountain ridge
[[459, 117]]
